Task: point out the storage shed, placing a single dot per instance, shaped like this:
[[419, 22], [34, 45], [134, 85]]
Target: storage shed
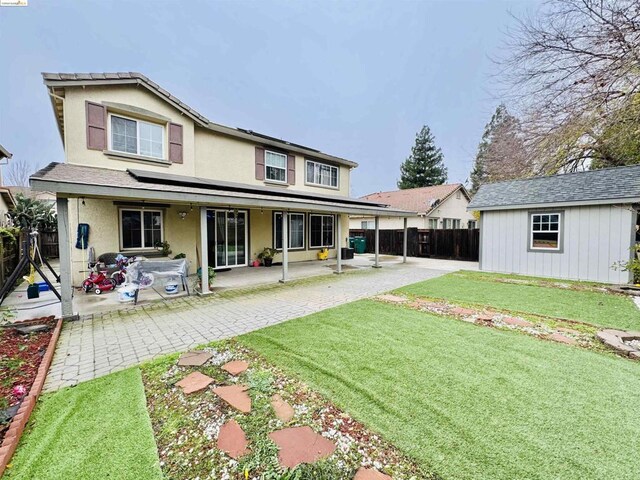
[[572, 226]]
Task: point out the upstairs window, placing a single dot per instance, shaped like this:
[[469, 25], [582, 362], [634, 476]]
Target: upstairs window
[[275, 165], [321, 231], [322, 174], [137, 137], [545, 231]]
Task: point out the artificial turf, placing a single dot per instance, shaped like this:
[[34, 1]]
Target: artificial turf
[[96, 430], [586, 305], [468, 402]]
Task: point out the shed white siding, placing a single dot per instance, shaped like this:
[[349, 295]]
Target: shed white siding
[[594, 238]]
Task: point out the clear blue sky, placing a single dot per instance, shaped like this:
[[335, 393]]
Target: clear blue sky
[[354, 79]]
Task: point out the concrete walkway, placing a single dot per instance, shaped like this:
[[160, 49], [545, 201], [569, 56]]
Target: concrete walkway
[[106, 343]]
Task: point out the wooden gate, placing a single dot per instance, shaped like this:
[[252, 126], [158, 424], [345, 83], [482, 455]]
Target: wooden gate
[[49, 244]]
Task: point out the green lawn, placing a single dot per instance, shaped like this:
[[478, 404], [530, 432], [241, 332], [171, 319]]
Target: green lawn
[[97, 430], [468, 402], [597, 308]]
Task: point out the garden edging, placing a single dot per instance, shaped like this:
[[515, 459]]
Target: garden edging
[[12, 437]]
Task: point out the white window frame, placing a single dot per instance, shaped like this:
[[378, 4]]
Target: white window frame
[[286, 167], [333, 232], [141, 210], [472, 224], [138, 122], [368, 224], [319, 184], [431, 221], [532, 215], [304, 230]]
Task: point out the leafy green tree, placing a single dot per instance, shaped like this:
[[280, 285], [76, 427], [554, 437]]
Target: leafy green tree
[[425, 166], [31, 214]]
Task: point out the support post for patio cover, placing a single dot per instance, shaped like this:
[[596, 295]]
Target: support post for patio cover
[[64, 242], [339, 245], [404, 242], [204, 253], [285, 247], [376, 264]]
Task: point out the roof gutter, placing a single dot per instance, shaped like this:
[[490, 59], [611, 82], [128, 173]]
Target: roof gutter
[[582, 203]]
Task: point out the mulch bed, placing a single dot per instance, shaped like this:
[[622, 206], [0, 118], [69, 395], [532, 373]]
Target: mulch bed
[[20, 357], [187, 427]]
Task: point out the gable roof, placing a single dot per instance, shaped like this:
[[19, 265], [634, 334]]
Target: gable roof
[[609, 185], [4, 153], [421, 200], [61, 80], [7, 196]]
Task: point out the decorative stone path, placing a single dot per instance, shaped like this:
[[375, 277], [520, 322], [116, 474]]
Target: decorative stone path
[[301, 445], [101, 344], [194, 359], [491, 319], [232, 439], [370, 474], [236, 367], [194, 382], [236, 396], [626, 343], [283, 410]]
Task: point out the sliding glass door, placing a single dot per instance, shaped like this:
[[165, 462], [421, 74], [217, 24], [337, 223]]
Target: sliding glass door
[[227, 238]]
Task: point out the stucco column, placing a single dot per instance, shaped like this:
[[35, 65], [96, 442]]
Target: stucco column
[[204, 252], [339, 244], [404, 242], [64, 243], [285, 247], [376, 264]]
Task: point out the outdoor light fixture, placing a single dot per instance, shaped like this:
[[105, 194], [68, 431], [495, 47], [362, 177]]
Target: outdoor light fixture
[[182, 214]]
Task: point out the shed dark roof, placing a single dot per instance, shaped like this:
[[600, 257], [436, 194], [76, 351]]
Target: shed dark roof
[[609, 185]]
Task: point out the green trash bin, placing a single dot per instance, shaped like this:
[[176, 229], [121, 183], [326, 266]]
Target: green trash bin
[[360, 244], [352, 241]]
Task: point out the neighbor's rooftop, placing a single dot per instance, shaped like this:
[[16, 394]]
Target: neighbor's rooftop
[[606, 186], [421, 200]]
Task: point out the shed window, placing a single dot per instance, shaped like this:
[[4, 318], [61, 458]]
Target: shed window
[[545, 231]]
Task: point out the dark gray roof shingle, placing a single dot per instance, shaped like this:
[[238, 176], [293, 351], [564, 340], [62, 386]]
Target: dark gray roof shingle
[[608, 185]]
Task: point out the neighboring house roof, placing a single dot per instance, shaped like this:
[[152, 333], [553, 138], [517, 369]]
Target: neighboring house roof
[[4, 153], [422, 200], [606, 186], [7, 196], [136, 184], [55, 80], [30, 193]]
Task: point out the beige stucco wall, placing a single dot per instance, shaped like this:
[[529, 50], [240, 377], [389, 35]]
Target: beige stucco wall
[[206, 153], [183, 235], [452, 207]]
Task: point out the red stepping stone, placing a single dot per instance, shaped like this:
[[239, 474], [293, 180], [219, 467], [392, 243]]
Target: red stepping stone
[[484, 318], [235, 367], [232, 439], [301, 445], [462, 311], [236, 396], [283, 410], [370, 474], [557, 337], [194, 359], [194, 382], [517, 322]]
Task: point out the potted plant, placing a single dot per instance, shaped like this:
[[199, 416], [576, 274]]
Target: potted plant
[[212, 276], [266, 255]]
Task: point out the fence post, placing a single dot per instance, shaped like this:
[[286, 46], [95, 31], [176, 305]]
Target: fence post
[[404, 242], [377, 243]]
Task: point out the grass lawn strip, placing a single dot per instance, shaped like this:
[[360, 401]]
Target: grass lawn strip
[[467, 402], [600, 308], [186, 426], [96, 430]]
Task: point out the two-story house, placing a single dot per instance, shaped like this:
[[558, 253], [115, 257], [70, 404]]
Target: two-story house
[[141, 167]]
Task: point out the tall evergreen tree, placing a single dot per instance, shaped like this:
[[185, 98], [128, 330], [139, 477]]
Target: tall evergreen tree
[[501, 153], [425, 166]]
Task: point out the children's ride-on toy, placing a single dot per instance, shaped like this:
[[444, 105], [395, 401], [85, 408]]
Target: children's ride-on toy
[[98, 282]]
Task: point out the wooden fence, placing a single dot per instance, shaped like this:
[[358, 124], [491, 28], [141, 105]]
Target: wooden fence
[[458, 244], [49, 244]]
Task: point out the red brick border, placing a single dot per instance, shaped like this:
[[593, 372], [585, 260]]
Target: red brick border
[[12, 437]]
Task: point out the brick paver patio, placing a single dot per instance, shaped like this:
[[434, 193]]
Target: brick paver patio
[[106, 343]]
